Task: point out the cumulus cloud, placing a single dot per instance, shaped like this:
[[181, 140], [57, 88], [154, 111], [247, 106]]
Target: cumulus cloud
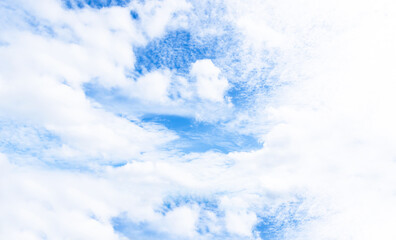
[[153, 86], [240, 223], [209, 85], [157, 16]]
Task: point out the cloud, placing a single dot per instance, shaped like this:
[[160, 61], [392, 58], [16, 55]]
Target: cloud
[[153, 86], [158, 85], [156, 16], [240, 223], [181, 221], [313, 81], [43, 77], [209, 85], [326, 124]]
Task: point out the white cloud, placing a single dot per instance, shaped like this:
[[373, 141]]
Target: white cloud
[[181, 221], [156, 16], [329, 132], [327, 124], [43, 79], [153, 86], [210, 86], [41, 204], [240, 223]]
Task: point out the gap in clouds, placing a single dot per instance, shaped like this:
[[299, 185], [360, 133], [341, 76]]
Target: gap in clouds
[[97, 4], [193, 135], [141, 230], [177, 50], [206, 203], [196, 136], [282, 222]]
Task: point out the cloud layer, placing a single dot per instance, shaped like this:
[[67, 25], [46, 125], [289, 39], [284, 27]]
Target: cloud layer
[[311, 82]]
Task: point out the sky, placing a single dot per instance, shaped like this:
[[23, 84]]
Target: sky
[[197, 119]]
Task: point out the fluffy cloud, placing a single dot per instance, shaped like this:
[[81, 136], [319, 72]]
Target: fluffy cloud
[[153, 86], [157, 16], [209, 85]]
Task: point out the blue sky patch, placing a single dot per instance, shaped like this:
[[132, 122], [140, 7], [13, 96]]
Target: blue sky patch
[[72, 4], [286, 219], [132, 230], [176, 51], [172, 202], [196, 136], [134, 15]]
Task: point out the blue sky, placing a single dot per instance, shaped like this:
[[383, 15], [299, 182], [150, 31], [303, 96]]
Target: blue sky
[[187, 119]]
